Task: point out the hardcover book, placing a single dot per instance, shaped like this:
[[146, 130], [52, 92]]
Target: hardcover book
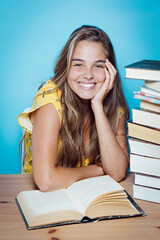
[[141, 147], [145, 165], [143, 133], [146, 193], [144, 70], [88, 200], [147, 180], [144, 148], [146, 118]]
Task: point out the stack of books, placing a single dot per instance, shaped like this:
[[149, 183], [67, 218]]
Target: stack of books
[[144, 131]]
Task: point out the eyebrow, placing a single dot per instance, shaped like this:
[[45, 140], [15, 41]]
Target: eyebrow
[[77, 59], [80, 60], [101, 61]]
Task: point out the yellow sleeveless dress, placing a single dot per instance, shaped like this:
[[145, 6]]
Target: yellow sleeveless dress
[[46, 94]]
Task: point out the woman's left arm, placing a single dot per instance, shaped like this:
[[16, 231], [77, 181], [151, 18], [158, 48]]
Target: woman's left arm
[[113, 148]]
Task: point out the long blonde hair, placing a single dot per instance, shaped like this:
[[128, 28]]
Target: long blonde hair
[[72, 151]]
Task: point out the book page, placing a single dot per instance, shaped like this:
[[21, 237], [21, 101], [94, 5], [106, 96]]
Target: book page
[[44, 202], [85, 191]]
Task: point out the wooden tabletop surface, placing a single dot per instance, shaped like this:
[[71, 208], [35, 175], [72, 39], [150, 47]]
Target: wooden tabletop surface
[[12, 225]]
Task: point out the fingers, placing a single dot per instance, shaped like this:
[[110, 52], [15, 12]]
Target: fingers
[[110, 74], [108, 84]]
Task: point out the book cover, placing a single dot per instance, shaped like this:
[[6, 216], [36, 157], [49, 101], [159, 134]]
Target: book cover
[[144, 70], [145, 64]]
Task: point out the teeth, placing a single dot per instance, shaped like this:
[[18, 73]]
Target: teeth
[[87, 85]]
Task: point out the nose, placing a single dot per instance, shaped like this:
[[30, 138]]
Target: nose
[[88, 74]]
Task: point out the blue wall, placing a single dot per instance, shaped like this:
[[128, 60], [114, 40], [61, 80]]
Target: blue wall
[[33, 33]]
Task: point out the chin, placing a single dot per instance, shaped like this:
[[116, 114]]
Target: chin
[[85, 97]]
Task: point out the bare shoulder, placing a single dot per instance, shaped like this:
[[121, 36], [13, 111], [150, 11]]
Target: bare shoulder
[[46, 114]]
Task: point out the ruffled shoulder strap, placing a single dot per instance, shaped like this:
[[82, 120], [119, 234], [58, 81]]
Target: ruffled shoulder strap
[[47, 93]]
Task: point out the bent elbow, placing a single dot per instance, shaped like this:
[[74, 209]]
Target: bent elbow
[[43, 184], [49, 182], [118, 176], [44, 188]]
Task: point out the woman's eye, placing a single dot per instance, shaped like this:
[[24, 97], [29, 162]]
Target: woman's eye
[[99, 66], [78, 65]]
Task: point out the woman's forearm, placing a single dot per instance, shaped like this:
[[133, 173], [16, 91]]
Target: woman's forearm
[[114, 159], [61, 177]]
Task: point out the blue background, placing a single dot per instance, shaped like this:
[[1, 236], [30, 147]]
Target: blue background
[[33, 33]]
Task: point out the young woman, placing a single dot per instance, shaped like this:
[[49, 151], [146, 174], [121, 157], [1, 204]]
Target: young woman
[[76, 128]]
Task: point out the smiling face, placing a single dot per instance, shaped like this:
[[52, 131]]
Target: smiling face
[[86, 74]]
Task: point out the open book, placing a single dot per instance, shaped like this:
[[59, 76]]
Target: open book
[[91, 199]]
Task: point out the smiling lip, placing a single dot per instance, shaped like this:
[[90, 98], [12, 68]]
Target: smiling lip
[[87, 85]]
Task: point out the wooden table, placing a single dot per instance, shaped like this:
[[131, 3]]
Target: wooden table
[[12, 225]]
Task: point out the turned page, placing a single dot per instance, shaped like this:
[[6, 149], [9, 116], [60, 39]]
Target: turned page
[[85, 191]]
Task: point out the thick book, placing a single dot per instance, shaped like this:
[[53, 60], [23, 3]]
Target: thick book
[[144, 148], [88, 200], [146, 118], [147, 180], [144, 70], [145, 165], [146, 193], [150, 106], [143, 133], [153, 85]]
